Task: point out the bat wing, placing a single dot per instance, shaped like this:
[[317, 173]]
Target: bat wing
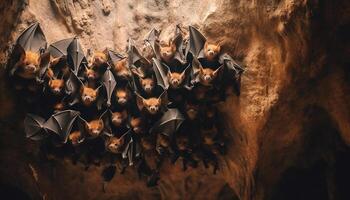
[[62, 123], [197, 41], [17, 54], [135, 58], [34, 127], [44, 65], [195, 71], [187, 80], [153, 40], [59, 48], [179, 55], [161, 74], [32, 38], [169, 123], [75, 55], [73, 85], [114, 56], [109, 84]]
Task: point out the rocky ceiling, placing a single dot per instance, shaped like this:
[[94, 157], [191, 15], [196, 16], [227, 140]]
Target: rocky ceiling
[[290, 126]]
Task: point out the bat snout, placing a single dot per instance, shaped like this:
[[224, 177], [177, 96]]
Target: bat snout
[[117, 121], [30, 68], [122, 101], [56, 90]]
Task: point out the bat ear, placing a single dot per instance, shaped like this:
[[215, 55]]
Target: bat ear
[[139, 101], [163, 98], [44, 59], [217, 70], [206, 45], [97, 90]]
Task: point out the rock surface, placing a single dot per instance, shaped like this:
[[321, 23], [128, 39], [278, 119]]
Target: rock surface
[[293, 110]]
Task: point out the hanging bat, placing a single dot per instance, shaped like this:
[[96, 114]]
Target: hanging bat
[[75, 56], [58, 65], [95, 127], [120, 65], [123, 95], [28, 63], [61, 123], [211, 55], [205, 76], [136, 60], [79, 92], [152, 105], [34, 127], [99, 60], [137, 125], [116, 122]]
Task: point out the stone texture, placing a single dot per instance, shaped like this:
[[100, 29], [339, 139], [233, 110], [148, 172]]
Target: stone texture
[[294, 98]]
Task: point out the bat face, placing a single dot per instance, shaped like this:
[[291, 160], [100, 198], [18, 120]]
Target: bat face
[[114, 144], [118, 118], [56, 86], [91, 74], [95, 127], [167, 52], [209, 135], [121, 70], [163, 140], [75, 137], [99, 58], [122, 96], [147, 84], [182, 142], [136, 125], [29, 65], [192, 111], [152, 105], [175, 79], [211, 51], [207, 75], [88, 95]]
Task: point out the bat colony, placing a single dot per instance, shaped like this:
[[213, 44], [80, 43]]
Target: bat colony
[[138, 109]]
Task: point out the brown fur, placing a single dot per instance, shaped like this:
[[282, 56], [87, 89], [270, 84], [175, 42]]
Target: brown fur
[[114, 144], [163, 140], [136, 125], [74, 137], [147, 84], [88, 95], [95, 127], [207, 75], [167, 52], [56, 86], [175, 79], [118, 118], [29, 65], [121, 69], [152, 104], [147, 143], [122, 96], [192, 111], [211, 51], [98, 59]]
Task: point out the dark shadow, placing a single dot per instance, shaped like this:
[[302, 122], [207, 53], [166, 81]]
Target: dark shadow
[[227, 193], [12, 192]]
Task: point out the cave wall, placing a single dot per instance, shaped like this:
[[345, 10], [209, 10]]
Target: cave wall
[[295, 53]]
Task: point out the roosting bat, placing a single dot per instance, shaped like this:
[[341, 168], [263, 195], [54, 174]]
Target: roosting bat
[[211, 56], [75, 56], [28, 62], [120, 65], [152, 105], [58, 64], [95, 126]]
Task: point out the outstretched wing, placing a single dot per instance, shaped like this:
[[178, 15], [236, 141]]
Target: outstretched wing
[[34, 127], [32, 38], [109, 84], [75, 55], [161, 74], [197, 41], [59, 48]]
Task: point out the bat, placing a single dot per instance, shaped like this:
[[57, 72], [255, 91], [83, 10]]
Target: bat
[[137, 125], [205, 76], [99, 59], [61, 123], [78, 92], [95, 127], [28, 60], [210, 55], [75, 56], [116, 122], [152, 105], [168, 124], [109, 84], [136, 60], [58, 64], [34, 127], [120, 65], [123, 96]]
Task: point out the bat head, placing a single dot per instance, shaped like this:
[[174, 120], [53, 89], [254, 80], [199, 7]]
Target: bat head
[[122, 96], [118, 118], [167, 51], [121, 69], [211, 51], [182, 142], [59, 106], [175, 79], [75, 137], [192, 111], [152, 104], [91, 74], [147, 143], [29, 64], [114, 144], [56, 86], [88, 95], [98, 59], [136, 124], [209, 134], [207, 75], [163, 140], [147, 84], [95, 127]]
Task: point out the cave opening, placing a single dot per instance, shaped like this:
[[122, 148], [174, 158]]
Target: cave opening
[[321, 171]]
